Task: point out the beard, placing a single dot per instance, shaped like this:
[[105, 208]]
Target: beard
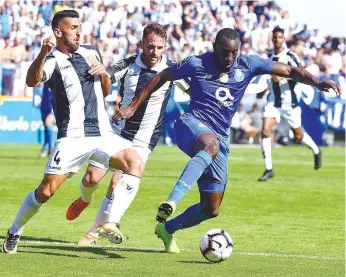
[[71, 47]]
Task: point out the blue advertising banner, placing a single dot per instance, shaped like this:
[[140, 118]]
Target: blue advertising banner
[[20, 121]]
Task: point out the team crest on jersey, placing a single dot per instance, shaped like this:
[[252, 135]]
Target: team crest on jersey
[[223, 78], [238, 75], [180, 64]]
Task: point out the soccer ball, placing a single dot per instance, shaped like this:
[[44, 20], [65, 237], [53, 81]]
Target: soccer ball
[[216, 245]]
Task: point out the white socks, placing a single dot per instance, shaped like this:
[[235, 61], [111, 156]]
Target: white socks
[[101, 215], [123, 195], [267, 153], [310, 143], [87, 193], [27, 210]]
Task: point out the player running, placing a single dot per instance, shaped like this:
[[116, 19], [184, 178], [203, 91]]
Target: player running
[[218, 82], [143, 131], [84, 129], [282, 101]]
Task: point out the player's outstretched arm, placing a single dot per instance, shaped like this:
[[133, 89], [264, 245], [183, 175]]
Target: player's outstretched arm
[[35, 72], [301, 75], [154, 84]]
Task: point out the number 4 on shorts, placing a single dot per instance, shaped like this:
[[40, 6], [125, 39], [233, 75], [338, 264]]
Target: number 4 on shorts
[[56, 158]]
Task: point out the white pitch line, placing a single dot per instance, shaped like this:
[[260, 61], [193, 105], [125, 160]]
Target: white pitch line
[[111, 246], [297, 162]]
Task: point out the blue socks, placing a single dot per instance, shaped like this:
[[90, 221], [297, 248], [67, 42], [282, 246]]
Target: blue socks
[[48, 141], [192, 216], [192, 172]]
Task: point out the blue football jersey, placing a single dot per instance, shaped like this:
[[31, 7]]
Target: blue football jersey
[[216, 94]]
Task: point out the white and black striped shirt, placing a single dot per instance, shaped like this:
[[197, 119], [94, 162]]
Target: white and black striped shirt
[[282, 93], [146, 124], [78, 101]]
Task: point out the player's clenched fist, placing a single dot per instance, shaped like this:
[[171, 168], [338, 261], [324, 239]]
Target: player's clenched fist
[[48, 44]]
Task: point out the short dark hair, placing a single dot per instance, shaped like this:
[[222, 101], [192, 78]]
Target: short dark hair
[[278, 29], [61, 15], [155, 28], [228, 33]]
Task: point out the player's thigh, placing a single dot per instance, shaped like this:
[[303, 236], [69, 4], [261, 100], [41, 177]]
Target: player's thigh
[[214, 179], [271, 115], [69, 155], [293, 117], [187, 130], [116, 152]]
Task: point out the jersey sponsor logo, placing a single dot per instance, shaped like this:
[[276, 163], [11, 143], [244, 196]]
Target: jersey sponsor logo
[[181, 63], [223, 78], [224, 96], [238, 75], [208, 76], [65, 67]]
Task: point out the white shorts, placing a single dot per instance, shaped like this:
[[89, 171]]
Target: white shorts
[[70, 154], [143, 153], [293, 116]]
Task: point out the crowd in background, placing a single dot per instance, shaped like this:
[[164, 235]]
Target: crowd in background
[[116, 28]]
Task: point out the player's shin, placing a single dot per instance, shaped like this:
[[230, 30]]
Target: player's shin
[[310, 143], [192, 216], [267, 153], [123, 195], [30, 206], [87, 193], [192, 172], [102, 215]]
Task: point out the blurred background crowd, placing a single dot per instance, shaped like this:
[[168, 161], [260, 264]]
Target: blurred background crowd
[[116, 28]]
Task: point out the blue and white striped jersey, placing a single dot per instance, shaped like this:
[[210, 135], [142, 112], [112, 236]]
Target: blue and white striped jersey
[[78, 101], [282, 93], [145, 126]]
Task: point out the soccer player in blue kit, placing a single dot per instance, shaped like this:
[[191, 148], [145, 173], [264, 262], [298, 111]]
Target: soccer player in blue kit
[[218, 82]]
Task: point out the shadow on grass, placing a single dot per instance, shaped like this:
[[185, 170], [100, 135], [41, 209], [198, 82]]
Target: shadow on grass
[[139, 250], [26, 238], [99, 251], [197, 262]]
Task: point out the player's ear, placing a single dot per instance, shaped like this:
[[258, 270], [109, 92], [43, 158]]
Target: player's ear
[[57, 32], [140, 44], [214, 46]]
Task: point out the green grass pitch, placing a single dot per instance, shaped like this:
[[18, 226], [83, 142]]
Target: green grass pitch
[[292, 225]]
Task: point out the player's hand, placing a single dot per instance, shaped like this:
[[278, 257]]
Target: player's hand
[[329, 85], [275, 79], [97, 69], [47, 45], [124, 113]]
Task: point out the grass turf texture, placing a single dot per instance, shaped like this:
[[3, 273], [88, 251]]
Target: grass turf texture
[[292, 225]]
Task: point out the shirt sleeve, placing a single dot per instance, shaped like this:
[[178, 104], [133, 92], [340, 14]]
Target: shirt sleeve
[[185, 68], [48, 69], [118, 70], [260, 66]]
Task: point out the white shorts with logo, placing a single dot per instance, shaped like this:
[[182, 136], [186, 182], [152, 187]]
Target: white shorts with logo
[[70, 154], [143, 153], [293, 116]]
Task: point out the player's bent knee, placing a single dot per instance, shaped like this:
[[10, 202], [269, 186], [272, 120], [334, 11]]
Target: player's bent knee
[[90, 179], [210, 212], [212, 148], [299, 137], [265, 133]]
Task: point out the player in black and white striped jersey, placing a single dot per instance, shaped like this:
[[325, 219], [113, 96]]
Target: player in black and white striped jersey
[[143, 131], [75, 76], [282, 101]]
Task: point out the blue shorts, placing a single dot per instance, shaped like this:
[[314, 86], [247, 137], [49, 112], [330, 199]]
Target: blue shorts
[[187, 130]]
